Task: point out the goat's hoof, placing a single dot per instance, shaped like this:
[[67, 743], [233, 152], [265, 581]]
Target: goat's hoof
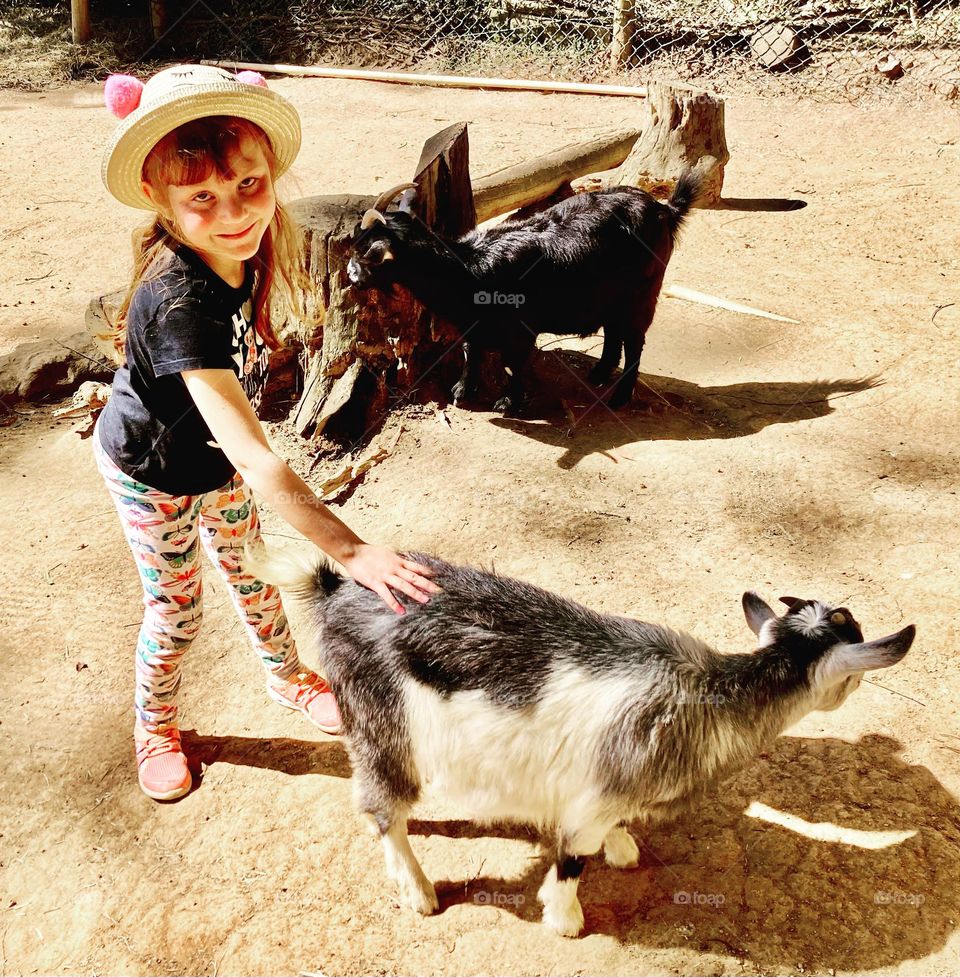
[[422, 897], [620, 850], [507, 405], [620, 400], [566, 920]]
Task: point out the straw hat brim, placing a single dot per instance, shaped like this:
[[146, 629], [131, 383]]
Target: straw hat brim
[[140, 131]]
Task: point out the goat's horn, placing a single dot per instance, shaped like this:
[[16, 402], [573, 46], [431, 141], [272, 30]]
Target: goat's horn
[[370, 218], [388, 197]]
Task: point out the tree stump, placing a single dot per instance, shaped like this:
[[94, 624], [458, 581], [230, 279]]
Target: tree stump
[[682, 127], [373, 347]]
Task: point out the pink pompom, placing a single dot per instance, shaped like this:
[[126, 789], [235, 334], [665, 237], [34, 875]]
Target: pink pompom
[[122, 94], [252, 78]]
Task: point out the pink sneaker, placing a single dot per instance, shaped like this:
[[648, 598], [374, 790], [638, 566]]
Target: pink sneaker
[[161, 766], [308, 693]]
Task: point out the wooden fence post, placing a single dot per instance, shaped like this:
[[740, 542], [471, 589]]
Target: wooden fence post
[[80, 20]]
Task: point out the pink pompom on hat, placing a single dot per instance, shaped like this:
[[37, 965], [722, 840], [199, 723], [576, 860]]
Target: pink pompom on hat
[[172, 97]]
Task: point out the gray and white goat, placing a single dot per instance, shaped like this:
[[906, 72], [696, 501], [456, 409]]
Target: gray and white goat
[[595, 259], [520, 705]]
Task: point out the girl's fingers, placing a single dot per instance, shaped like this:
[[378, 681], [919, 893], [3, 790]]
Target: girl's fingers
[[409, 588], [386, 595], [417, 575], [418, 568]]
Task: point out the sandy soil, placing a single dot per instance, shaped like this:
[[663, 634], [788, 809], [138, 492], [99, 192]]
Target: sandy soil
[[756, 458]]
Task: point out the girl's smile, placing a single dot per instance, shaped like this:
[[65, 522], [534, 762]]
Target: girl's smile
[[241, 235]]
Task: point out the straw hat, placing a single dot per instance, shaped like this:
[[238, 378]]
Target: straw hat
[[178, 95]]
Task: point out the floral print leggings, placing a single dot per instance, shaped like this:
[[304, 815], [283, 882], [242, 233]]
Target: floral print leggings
[[165, 533]]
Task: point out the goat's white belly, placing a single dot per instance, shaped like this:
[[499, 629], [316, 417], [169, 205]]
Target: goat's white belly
[[536, 764]]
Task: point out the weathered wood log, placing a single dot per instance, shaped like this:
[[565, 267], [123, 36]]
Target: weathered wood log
[[682, 127], [529, 182], [375, 347]]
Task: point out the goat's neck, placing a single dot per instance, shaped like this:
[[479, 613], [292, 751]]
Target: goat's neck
[[749, 701], [439, 274]]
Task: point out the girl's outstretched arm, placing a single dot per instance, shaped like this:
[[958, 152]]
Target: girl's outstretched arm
[[224, 406]]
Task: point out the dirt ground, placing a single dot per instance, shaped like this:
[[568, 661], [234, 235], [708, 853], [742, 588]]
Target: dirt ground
[[756, 457]]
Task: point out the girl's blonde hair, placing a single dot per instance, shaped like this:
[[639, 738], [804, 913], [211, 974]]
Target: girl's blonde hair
[[186, 156]]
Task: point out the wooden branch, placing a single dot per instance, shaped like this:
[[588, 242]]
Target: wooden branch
[[715, 302], [437, 81], [528, 182]]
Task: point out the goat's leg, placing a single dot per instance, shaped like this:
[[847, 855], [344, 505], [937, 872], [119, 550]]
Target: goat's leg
[[562, 911], [390, 819], [416, 890], [466, 386], [609, 358], [619, 848], [516, 359], [634, 335]]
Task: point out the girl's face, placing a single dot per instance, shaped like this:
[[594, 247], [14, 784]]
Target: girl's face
[[224, 218]]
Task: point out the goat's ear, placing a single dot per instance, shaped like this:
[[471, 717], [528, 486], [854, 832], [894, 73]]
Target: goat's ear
[[757, 611], [407, 200], [866, 656], [791, 602]]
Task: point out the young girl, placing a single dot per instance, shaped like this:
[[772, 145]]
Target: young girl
[[179, 444]]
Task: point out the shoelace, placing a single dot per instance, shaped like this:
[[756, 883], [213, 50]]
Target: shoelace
[[309, 687], [156, 744]]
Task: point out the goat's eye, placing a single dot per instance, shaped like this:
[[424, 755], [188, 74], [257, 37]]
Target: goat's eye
[[838, 617]]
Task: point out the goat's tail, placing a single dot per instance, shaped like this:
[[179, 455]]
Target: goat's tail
[[304, 572], [684, 196]]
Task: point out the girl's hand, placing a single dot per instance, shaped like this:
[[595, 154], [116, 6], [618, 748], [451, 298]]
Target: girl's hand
[[380, 569]]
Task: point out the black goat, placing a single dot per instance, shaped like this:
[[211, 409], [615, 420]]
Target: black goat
[[595, 259]]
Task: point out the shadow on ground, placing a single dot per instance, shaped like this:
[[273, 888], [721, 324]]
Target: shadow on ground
[[720, 881], [567, 413]]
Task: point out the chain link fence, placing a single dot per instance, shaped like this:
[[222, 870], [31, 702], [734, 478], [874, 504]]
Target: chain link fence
[[819, 47]]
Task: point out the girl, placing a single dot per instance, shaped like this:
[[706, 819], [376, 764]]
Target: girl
[[179, 444]]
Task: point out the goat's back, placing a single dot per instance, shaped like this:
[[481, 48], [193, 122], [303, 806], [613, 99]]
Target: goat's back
[[606, 228], [510, 699]]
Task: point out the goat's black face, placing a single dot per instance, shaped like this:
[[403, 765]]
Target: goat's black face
[[372, 263], [827, 642]]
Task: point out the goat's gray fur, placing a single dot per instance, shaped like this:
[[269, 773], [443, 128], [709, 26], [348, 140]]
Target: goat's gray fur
[[521, 705]]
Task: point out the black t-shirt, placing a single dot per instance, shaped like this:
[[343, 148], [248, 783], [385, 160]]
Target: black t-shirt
[[185, 318]]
